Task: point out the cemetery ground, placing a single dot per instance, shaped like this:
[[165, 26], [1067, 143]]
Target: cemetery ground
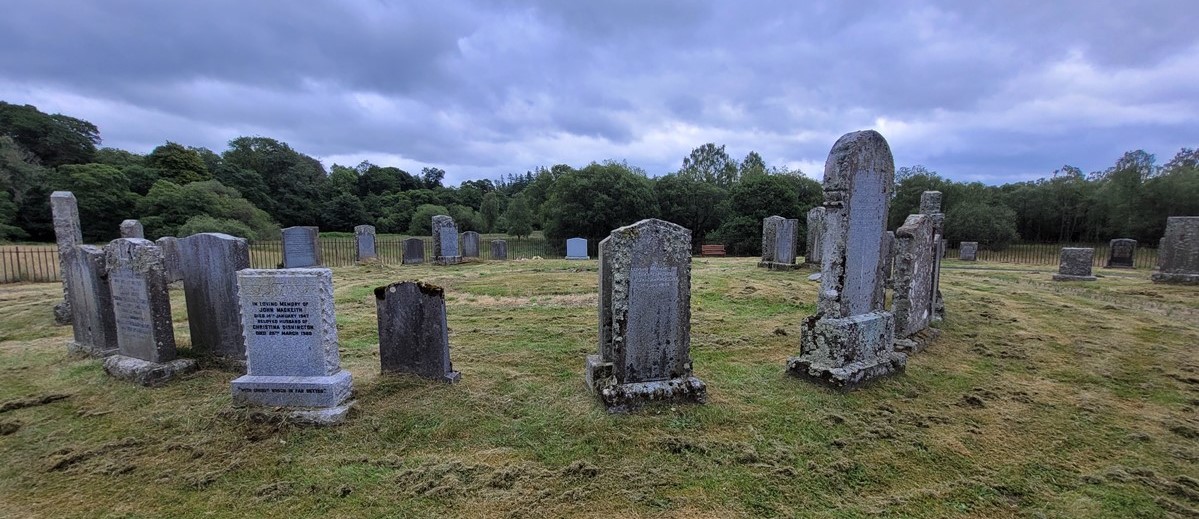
[[1040, 398]]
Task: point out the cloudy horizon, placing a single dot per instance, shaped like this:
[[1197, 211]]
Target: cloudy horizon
[[993, 93]]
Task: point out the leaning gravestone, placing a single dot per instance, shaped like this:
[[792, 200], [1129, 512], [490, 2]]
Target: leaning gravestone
[[142, 311], [364, 243], [209, 263], [301, 247], [414, 251], [968, 251], [413, 335], [470, 244], [132, 229], [499, 250], [1121, 253], [292, 360], [576, 249], [850, 340], [915, 277], [815, 236], [445, 241], [930, 204], [93, 322], [68, 235], [170, 258], [1075, 264], [1178, 254], [779, 239], [644, 318]]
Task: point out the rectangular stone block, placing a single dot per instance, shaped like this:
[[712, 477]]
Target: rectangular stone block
[[68, 235], [1075, 264], [916, 250], [282, 391], [364, 243], [576, 249], [815, 235], [445, 241], [470, 244], [414, 251], [171, 263], [209, 263], [847, 353], [499, 250], [1178, 253], [968, 251], [1122, 253], [413, 334], [779, 240], [132, 229], [93, 322], [301, 247], [140, 299]]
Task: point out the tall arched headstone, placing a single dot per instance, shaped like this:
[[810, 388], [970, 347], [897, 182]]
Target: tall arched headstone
[[445, 241]]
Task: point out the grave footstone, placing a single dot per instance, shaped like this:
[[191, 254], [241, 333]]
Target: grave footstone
[[142, 312], [1075, 264], [1121, 253], [93, 322], [170, 258], [414, 251], [914, 280], [644, 318], [499, 250], [364, 243], [470, 244], [930, 204], [301, 247], [413, 335], [1178, 254], [576, 249], [779, 240], [132, 229], [815, 240], [209, 263], [445, 241], [68, 235], [849, 341], [292, 361], [968, 251]]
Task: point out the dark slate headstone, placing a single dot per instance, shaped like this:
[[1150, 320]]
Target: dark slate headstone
[[499, 250], [413, 335], [170, 258], [1178, 254], [1121, 253], [914, 280], [132, 229], [779, 240], [815, 240], [209, 263], [364, 241], [644, 318], [1075, 264], [301, 247], [414, 251], [68, 235], [92, 319], [849, 342], [445, 241], [576, 249], [470, 244], [968, 251]]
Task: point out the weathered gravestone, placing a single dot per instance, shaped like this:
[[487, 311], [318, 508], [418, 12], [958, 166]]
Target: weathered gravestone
[[170, 258], [301, 247], [445, 241], [850, 340], [888, 258], [364, 243], [499, 250], [291, 345], [914, 282], [414, 251], [1178, 254], [93, 322], [644, 318], [142, 311], [209, 263], [1121, 253], [576, 249], [968, 251], [1075, 264], [779, 240], [815, 236], [930, 204], [68, 235], [470, 244], [132, 229], [413, 335]]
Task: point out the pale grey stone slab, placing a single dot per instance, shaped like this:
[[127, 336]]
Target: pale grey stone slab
[[209, 263], [413, 334], [132, 229], [364, 241], [93, 322], [146, 373], [470, 244], [301, 247], [140, 299], [815, 235], [68, 234], [445, 241], [499, 250], [779, 240], [1075, 264], [769, 234], [1178, 253], [915, 267], [170, 258], [968, 251], [576, 249]]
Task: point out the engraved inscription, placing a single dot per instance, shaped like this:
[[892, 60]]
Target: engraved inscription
[[298, 245], [131, 305], [653, 323]]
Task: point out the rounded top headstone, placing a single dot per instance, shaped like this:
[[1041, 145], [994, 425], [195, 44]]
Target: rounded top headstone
[[865, 150]]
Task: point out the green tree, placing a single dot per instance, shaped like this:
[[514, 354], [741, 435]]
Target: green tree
[[752, 166], [992, 226], [431, 178], [119, 158], [343, 212], [691, 203], [103, 196], [168, 206], [292, 180], [519, 217], [178, 164], [422, 219], [490, 209], [709, 163], [752, 200], [204, 223], [55, 139], [594, 200]]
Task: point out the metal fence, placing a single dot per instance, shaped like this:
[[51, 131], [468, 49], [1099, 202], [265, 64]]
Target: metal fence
[[36, 263], [1050, 254]]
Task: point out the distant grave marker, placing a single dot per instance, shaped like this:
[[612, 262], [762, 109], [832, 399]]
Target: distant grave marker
[[1075, 264], [301, 247], [364, 243], [413, 334]]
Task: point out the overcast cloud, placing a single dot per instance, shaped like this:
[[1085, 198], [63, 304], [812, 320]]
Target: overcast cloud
[[990, 91]]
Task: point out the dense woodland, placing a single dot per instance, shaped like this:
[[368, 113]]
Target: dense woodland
[[259, 184]]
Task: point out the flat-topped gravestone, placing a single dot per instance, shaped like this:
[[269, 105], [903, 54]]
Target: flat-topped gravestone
[[470, 244], [914, 280], [132, 229], [576, 249], [209, 263], [1075, 264], [414, 251], [364, 243], [930, 204], [968, 251], [849, 342], [815, 236], [499, 250], [413, 335], [445, 241], [170, 258], [1178, 254], [301, 247], [68, 235], [93, 322], [142, 312], [291, 345], [769, 233], [779, 240], [1121, 253], [644, 318]]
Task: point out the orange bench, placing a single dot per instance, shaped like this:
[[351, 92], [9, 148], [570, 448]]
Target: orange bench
[[711, 250]]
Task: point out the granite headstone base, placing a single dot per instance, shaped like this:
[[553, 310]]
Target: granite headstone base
[[297, 391], [146, 373], [847, 353], [1069, 277], [578, 257], [622, 398], [774, 265], [1174, 278], [87, 350], [916, 342]]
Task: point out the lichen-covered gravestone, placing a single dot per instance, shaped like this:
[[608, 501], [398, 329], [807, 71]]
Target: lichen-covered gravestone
[[414, 251], [301, 247], [888, 258], [209, 263], [93, 321], [644, 318], [1075, 264], [445, 241], [930, 204], [413, 335], [170, 258], [815, 236], [576, 249], [499, 250], [1121, 253], [470, 244], [968, 251], [914, 281], [142, 311], [850, 340], [1178, 254], [779, 240], [68, 235], [364, 243], [292, 360], [132, 229]]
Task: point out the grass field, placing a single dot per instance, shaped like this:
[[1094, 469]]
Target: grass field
[[1041, 399]]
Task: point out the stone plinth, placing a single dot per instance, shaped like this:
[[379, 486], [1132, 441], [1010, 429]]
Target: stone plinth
[[413, 334], [1075, 265]]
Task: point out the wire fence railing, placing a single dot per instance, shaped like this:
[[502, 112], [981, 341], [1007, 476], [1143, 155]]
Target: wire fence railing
[[1050, 254]]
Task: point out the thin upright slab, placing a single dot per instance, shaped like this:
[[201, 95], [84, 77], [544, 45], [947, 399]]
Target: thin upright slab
[[132, 229], [914, 297], [1121, 253], [209, 263], [445, 241], [301, 247], [576, 249], [171, 262], [364, 244], [888, 258], [413, 334], [780, 237], [499, 250], [470, 244], [815, 235], [68, 235], [930, 204], [93, 322], [414, 251], [1178, 254], [1075, 264]]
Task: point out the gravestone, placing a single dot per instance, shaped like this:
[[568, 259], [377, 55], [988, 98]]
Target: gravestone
[[301, 247], [142, 312], [68, 235], [1075, 264], [170, 258], [209, 263], [132, 229], [1121, 253], [445, 241], [1178, 254], [815, 236], [769, 233], [576, 249], [364, 243], [470, 244], [888, 258], [93, 322], [413, 335], [968, 251], [499, 250], [914, 297], [292, 360], [930, 204], [779, 239], [414, 251], [849, 341], [644, 318]]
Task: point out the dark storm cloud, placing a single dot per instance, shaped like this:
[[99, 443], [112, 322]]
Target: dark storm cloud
[[992, 91]]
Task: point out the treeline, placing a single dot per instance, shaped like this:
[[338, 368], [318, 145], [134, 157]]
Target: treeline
[[259, 184]]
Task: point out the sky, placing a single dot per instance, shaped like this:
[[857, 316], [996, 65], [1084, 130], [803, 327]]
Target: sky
[[994, 92]]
